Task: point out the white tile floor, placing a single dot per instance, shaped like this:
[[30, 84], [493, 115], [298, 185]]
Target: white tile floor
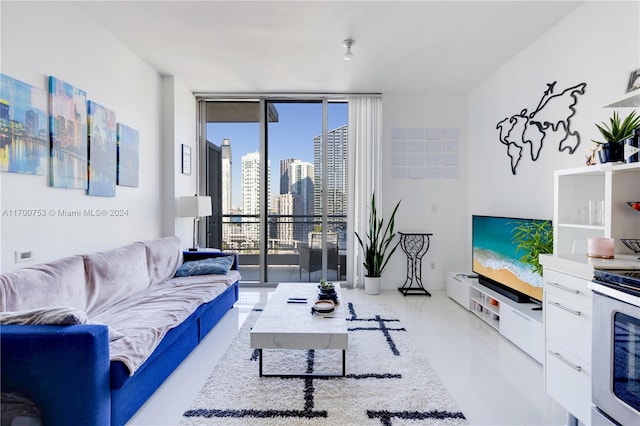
[[492, 381]]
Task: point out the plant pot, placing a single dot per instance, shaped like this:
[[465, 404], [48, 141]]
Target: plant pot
[[372, 285], [611, 152], [632, 148], [328, 294]]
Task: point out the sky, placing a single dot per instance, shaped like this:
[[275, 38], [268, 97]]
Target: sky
[[291, 137]]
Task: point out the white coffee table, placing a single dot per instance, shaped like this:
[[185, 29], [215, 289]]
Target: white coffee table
[[283, 325]]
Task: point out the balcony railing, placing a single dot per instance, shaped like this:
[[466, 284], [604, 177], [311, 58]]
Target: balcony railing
[[241, 233]]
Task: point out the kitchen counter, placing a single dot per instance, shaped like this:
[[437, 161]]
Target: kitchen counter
[[582, 265]]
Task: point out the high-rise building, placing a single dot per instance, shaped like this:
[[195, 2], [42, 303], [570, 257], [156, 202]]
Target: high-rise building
[[226, 176], [250, 183], [251, 195], [4, 110], [284, 174], [289, 229], [336, 186], [301, 183]]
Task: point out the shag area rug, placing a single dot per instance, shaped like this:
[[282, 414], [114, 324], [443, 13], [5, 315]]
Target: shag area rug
[[388, 381]]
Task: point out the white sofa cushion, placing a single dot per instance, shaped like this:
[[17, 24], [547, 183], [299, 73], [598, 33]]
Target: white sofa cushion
[[115, 275], [163, 258], [60, 282]]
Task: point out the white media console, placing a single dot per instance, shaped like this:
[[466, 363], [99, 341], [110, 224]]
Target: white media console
[[517, 322]]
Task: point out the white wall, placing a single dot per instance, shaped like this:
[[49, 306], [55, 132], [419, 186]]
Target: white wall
[[179, 127], [598, 44], [426, 110], [41, 39]]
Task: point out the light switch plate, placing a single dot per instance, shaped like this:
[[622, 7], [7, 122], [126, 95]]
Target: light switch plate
[[24, 255]]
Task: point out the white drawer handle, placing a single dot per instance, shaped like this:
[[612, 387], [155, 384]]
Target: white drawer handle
[[571, 311], [561, 287], [561, 358]]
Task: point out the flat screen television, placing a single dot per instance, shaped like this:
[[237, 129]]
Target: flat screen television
[[497, 260]]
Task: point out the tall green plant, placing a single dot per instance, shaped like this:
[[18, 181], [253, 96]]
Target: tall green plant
[[379, 240], [534, 238]]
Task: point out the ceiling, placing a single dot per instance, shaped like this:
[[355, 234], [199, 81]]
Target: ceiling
[[297, 46]]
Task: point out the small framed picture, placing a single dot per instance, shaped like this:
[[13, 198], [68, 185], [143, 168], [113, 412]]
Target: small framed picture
[[634, 81], [186, 159]]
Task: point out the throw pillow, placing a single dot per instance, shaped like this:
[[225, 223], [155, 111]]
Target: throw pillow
[[211, 265]]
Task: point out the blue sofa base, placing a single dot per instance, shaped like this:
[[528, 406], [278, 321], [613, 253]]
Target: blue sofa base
[[67, 372], [133, 391], [63, 369]]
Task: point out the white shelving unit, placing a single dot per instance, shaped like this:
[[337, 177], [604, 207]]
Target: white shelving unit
[[486, 307], [517, 322], [568, 271], [629, 100], [615, 185]]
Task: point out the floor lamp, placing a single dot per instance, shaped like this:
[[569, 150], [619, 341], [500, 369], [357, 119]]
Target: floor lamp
[[195, 207]]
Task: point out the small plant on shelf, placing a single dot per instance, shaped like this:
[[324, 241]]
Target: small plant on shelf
[[617, 131], [326, 285], [614, 133]]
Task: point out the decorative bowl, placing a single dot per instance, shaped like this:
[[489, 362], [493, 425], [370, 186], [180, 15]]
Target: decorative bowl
[[632, 243], [323, 307], [634, 205]]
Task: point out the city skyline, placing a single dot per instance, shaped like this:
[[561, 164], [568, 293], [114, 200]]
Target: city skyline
[[292, 137]]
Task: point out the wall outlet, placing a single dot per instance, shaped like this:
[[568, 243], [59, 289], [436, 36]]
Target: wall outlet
[[434, 208], [433, 265], [24, 255]]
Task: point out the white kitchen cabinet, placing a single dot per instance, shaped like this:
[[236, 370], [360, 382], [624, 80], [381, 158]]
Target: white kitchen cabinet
[[614, 185]]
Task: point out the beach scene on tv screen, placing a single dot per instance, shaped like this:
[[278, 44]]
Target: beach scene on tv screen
[[495, 256]]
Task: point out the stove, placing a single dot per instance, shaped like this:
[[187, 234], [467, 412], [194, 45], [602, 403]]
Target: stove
[[624, 281], [616, 356]]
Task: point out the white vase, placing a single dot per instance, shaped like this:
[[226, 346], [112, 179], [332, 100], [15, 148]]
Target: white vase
[[372, 285]]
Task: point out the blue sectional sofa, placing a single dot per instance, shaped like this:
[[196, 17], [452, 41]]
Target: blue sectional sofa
[[138, 321]]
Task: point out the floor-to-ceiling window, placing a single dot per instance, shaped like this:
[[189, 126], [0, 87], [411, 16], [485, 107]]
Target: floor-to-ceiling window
[[280, 166]]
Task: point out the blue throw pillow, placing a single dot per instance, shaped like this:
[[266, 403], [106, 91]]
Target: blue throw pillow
[[211, 265]]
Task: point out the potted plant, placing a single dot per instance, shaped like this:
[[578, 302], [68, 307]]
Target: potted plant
[[534, 238], [615, 133], [377, 249]]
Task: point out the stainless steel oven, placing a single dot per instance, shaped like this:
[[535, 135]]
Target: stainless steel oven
[[616, 348]]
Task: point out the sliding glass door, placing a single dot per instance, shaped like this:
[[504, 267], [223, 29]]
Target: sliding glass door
[[282, 173]]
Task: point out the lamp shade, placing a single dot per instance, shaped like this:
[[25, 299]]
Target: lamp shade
[[195, 206]]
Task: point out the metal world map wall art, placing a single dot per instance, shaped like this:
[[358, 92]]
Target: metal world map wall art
[[551, 119]]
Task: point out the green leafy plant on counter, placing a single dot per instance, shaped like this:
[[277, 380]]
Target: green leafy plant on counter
[[534, 238]]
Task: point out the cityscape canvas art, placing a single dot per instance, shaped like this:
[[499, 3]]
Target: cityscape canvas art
[[68, 122], [128, 156], [24, 132], [102, 151]]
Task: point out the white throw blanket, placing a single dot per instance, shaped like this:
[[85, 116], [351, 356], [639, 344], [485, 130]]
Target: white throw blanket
[[52, 315], [145, 317]]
